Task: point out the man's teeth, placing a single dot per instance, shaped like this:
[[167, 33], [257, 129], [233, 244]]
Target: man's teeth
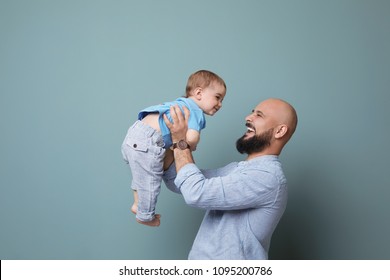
[[250, 129]]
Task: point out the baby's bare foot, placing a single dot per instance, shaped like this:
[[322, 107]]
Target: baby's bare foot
[[153, 223]]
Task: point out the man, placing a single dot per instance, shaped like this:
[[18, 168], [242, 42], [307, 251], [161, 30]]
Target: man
[[244, 200]]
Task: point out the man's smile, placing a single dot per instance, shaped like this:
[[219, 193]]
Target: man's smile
[[250, 127]]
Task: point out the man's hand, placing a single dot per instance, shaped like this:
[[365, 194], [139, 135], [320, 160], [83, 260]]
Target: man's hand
[[178, 129], [179, 126]]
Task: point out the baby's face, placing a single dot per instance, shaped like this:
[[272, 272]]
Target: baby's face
[[211, 98]]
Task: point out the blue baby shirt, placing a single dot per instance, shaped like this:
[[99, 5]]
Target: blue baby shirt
[[197, 120]]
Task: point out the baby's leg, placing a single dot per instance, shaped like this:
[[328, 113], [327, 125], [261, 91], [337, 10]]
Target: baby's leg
[[145, 181], [134, 207], [154, 223], [168, 159]]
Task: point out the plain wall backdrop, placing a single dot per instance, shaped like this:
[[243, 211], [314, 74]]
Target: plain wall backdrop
[[74, 74]]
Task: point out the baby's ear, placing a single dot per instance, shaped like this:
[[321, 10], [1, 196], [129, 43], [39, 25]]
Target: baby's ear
[[197, 93]]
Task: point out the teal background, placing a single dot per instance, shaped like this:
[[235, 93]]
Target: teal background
[[74, 74]]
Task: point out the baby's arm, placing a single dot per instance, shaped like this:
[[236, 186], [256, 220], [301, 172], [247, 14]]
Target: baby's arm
[[193, 137]]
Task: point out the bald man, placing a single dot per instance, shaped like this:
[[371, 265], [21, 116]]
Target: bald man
[[245, 200]]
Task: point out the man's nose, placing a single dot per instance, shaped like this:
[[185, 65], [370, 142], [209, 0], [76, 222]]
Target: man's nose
[[248, 118]]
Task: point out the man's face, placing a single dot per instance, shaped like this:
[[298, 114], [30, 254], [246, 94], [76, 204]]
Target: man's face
[[260, 129]]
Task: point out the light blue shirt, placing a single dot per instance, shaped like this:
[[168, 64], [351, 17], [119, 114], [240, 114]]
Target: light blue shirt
[[197, 120], [244, 202]]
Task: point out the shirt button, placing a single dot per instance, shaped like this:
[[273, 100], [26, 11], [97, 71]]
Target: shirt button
[[134, 145]]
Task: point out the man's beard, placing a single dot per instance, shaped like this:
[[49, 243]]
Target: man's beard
[[254, 144]]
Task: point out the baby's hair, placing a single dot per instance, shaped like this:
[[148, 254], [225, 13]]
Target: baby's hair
[[202, 78]]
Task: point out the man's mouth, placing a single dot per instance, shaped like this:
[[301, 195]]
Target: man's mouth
[[250, 128]]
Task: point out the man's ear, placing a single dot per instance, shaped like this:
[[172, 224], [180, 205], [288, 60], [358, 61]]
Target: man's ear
[[280, 131]]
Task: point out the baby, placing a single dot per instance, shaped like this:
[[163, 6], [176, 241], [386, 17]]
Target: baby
[[148, 146]]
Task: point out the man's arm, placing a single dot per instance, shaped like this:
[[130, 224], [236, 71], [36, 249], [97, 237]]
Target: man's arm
[[241, 189], [169, 177], [178, 128]]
